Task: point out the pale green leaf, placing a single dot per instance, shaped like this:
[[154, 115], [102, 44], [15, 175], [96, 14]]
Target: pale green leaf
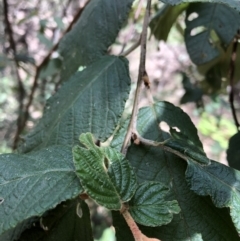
[[123, 178], [92, 100], [211, 19], [92, 34], [149, 207], [231, 3], [32, 183], [109, 184], [220, 182]]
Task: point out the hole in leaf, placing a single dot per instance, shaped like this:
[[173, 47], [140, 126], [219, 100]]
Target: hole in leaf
[[176, 128], [1, 200], [192, 16], [79, 210], [164, 126], [197, 30]]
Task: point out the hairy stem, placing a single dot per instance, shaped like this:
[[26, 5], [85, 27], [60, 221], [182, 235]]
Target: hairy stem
[[137, 234]]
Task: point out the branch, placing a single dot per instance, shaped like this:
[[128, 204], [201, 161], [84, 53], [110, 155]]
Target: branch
[[231, 76], [137, 234], [141, 74], [132, 48], [169, 145], [37, 73], [21, 88]]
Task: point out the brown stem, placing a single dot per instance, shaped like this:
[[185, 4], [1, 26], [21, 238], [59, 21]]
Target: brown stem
[[231, 76], [137, 234], [37, 73], [147, 142], [141, 72]]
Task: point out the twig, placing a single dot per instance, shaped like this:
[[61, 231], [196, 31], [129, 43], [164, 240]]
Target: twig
[[141, 72], [138, 139], [137, 234], [132, 48], [37, 73], [231, 76], [132, 31], [21, 88]]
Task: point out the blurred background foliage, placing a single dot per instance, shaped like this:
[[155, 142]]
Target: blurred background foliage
[[188, 62]]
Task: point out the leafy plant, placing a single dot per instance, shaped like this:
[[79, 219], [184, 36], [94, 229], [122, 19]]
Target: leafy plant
[[158, 184]]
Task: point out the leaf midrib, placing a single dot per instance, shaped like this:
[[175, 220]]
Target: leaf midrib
[[52, 127]]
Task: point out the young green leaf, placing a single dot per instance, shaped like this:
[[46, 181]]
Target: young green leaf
[[33, 183], [148, 206], [109, 184], [123, 178], [220, 182], [92, 100]]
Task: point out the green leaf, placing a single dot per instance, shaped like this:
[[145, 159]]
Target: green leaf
[[192, 92], [212, 19], [32, 183], [51, 68], [166, 17], [92, 100], [123, 178], [233, 152], [148, 206], [220, 182], [92, 34], [68, 221], [110, 188], [231, 3], [14, 233], [199, 219]]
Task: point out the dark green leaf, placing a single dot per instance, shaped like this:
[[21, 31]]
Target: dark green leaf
[[110, 188], [192, 92], [14, 233], [220, 182], [231, 3], [163, 21], [92, 100], [67, 222], [93, 33], [148, 206], [233, 152], [52, 67], [32, 183], [199, 219], [211, 19]]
